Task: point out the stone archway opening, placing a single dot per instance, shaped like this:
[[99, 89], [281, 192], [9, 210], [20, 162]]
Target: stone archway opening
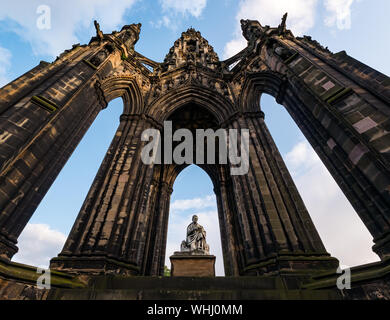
[[196, 194], [193, 194], [192, 117]]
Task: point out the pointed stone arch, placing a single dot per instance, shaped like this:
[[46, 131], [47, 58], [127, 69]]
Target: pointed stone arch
[[215, 103], [125, 87]]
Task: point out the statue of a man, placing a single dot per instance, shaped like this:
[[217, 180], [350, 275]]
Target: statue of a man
[[196, 238]]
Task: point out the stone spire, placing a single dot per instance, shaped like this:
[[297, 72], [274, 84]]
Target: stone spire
[[191, 48], [129, 35]]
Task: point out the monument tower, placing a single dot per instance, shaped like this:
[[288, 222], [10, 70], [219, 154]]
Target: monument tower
[[341, 106]]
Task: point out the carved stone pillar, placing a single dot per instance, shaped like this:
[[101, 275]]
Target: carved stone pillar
[[110, 229], [277, 233], [342, 107], [38, 159], [43, 116], [157, 237], [229, 228]]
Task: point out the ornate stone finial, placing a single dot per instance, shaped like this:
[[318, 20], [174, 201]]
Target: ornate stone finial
[[195, 242], [251, 30], [130, 35], [99, 33], [282, 26]]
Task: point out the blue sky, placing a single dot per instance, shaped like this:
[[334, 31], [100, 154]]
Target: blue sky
[[361, 27]]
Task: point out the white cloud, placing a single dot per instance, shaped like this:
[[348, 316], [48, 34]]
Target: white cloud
[[343, 233], [165, 21], [301, 158], [68, 18], [339, 13], [234, 46], [39, 243], [5, 62], [196, 203], [175, 10], [192, 7], [301, 17]]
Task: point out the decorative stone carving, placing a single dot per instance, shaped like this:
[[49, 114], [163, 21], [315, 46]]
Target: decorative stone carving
[[315, 44], [282, 27], [282, 52], [130, 36], [191, 47], [99, 33], [195, 242], [252, 30], [100, 94], [99, 57]]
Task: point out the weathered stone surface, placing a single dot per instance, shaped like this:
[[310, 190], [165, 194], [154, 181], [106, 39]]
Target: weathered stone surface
[[13, 290], [192, 288], [19, 282], [368, 282], [191, 265]]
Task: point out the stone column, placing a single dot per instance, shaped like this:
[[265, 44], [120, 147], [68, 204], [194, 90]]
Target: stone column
[[157, 236], [277, 233], [361, 176], [229, 228], [41, 129], [342, 107], [110, 230], [43, 116]]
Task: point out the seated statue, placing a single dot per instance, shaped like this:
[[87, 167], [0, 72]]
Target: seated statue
[[196, 238]]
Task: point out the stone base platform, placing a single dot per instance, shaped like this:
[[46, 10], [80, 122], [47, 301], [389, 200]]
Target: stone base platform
[[18, 281], [191, 288], [192, 265], [92, 265]]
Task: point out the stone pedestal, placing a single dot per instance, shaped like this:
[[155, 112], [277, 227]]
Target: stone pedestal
[[184, 264]]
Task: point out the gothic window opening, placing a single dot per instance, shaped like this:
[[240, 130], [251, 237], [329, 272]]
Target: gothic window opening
[[193, 195]]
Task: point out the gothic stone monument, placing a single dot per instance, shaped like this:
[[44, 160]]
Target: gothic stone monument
[[341, 105], [194, 257]]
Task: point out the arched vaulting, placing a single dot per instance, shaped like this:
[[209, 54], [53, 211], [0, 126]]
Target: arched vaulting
[[255, 84], [127, 88], [219, 106]]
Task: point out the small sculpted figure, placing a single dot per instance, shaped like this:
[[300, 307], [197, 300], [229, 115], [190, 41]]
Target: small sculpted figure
[[196, 238]]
